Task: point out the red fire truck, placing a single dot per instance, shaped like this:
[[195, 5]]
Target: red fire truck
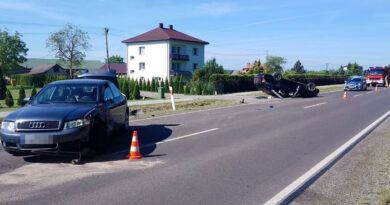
[[377, 76]]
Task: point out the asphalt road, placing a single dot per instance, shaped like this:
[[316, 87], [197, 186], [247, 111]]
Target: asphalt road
[[238, 155]]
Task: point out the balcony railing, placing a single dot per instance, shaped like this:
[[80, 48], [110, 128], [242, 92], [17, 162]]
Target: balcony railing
[[179, 57]]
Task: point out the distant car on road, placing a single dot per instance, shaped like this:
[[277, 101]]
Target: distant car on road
[[66, 116], [355, 83], [277, 86]]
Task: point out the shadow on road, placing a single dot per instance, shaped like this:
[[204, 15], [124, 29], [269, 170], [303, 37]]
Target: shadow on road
[[119, 145]]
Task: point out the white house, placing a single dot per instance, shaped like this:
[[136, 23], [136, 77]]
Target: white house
[[163, 52]]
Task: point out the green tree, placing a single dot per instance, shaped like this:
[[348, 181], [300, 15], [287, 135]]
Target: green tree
[[181, 85], [198, 88], [204, 91], [204, 73], [153, 85], [9, 100], [257, 68], [354, 69], [298, 68], [33, 91], [166, 85], [274, 64], [12, 52], [187, 89], [341, 70], [144, 85], [115, 59], [69, 44], [136, 93], [126, 90], [148, 87], [22, 95]]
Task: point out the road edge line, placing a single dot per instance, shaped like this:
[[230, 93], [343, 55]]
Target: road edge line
[[299, 185]]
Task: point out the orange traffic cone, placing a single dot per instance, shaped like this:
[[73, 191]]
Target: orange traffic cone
[[376, 88], [134, 149], [345, 95]]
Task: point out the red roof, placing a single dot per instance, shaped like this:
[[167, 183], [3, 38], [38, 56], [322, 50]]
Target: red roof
[[162, 33], [120, 68]]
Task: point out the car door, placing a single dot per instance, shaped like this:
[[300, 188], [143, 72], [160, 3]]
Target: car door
[[120, 104], [110, 108]]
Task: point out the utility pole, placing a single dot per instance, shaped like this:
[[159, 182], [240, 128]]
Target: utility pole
[[327, 64], [108, 58], [266, 54]]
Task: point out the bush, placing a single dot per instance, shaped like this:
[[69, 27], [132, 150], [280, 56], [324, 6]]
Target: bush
[[33, 91], [318, 79], [22, 95], [187, 89], [136, 93], [166, 85], [38, 80], [9, 101], [225, 83]]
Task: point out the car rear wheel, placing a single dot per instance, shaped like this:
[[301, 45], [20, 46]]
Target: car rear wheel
[[277, 76], [311, 87]]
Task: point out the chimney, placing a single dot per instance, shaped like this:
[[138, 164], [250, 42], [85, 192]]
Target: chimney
[[161, 25], [170, 27]]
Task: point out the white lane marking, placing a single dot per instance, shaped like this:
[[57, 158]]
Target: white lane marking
[[323, 164], [168, 140], [323, 103], [358, 95]]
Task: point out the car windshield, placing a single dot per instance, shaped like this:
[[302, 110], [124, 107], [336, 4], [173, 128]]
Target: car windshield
[[375, 72], [354, 80], [67, 94]]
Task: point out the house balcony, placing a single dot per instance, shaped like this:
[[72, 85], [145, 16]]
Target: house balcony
[[179, 57]]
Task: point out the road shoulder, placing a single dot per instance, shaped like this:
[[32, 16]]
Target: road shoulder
[[362, 176]]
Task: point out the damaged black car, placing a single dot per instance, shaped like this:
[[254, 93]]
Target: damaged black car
[[279, 87]]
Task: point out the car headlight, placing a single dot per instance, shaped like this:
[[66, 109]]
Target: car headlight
[[9, 126], [76, 123]]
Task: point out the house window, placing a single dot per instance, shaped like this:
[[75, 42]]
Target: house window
[[131, 71], [175, 50], [176, 66], [195, 51], [141, 50], [195, 66], [131, 57], [141, 78], [142, 66]]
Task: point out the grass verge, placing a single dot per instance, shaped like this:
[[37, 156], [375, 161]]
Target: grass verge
[[15, 95], [331, 88], [155, 110]]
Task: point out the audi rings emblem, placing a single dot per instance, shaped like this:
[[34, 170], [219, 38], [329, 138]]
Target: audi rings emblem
[[37, 125]]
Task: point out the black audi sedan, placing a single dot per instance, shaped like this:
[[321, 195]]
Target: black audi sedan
[[65, 116]]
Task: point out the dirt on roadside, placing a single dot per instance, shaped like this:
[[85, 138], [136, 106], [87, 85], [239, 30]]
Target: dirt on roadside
[[362, 176]]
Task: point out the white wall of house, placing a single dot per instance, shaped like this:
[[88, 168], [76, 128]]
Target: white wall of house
[[156, 58]]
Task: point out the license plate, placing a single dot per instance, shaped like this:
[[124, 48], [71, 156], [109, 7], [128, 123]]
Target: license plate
[[37, 139]]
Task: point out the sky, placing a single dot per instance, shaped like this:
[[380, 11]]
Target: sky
[[320, 33]]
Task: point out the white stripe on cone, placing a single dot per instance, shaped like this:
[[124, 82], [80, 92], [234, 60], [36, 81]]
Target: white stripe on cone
[[134, 139], [133, 149]]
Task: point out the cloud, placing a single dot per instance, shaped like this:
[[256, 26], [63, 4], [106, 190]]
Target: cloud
[[16, 6], [33, 8], [215, 8]]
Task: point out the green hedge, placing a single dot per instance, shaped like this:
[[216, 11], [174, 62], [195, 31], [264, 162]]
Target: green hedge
[[225, 83], [38, 80], [317, 79]]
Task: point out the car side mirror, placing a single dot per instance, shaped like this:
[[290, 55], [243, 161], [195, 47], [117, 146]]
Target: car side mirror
[[109, 100], [27, 99]]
